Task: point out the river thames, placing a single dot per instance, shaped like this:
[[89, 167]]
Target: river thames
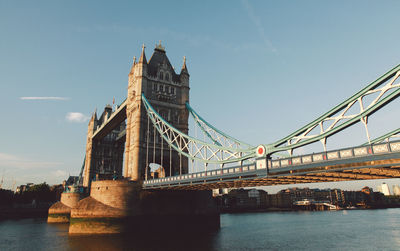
[[323, 230]]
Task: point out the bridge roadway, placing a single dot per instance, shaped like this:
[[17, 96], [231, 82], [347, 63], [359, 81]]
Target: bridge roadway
[[378, 161]]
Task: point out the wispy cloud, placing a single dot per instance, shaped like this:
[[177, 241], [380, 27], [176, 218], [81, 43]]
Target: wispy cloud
[[44, 98], [76, 117], [59, 173], [14, 161], [260, 28]]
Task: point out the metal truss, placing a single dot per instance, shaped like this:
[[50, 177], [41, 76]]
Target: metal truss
[[395, 134], [355, 109], [218, 137], [192, 148]]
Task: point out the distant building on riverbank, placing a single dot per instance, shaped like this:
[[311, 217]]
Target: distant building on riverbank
[[254, 199], [384, 188], [396, 190], [243, 199], [23, 188]]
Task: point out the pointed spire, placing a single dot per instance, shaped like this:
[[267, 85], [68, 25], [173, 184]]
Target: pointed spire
[[184, 67], [133, 65], [142, 58], [94, 115]]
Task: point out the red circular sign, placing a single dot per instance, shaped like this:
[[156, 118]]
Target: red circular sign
[[260, 151]]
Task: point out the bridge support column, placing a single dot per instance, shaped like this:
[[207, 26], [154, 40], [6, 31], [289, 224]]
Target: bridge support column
[[174, 211], [121, 206], [60, 212]]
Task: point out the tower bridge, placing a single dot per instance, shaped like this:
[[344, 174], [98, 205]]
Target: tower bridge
[[152, 127], [168, 92]]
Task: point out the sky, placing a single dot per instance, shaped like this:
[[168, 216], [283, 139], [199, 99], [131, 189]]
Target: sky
[[259, 70]]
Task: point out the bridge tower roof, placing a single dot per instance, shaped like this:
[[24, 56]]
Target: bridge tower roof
[[159, 60], [94, 115]]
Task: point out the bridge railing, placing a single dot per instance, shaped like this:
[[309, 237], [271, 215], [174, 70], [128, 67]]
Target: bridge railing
[[245, 171], [352, 152], [262, 166]]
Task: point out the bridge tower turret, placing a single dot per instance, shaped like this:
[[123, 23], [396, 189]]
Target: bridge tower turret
[[137, 78], [184, 79], [89, 151], [167, 92]]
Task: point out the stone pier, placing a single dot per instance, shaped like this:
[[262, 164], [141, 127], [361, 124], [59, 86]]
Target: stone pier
[[121, 206], [60, 211], [104, 210]]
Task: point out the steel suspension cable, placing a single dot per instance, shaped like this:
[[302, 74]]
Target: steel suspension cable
[[181, 142], [162, 152], [170, 161], [180, 159], [154, 146], [147, 147], [206, 164], [195, 135]]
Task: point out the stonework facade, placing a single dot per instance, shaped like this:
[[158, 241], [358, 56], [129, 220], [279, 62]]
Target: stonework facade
[[167, 92], [141, 145], [120, 205]]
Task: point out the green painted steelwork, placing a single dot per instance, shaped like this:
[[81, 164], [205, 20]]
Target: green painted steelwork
[[192, 148], [202, 123], [383, 137], [337, 120], [378, 103]]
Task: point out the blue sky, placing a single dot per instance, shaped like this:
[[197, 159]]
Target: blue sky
[[259, 69]]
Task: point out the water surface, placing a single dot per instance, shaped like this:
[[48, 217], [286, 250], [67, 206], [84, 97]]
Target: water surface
[[340, 230]]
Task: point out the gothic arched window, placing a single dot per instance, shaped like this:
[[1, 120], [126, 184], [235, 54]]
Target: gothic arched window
[[166, 76], [161, 75]]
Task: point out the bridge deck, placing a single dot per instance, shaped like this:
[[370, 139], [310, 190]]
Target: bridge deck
[[380, 161]]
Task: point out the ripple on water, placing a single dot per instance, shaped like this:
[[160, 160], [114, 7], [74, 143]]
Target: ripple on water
[[336, 230]]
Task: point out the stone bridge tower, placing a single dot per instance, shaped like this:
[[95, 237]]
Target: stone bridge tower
[[167, 92]]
